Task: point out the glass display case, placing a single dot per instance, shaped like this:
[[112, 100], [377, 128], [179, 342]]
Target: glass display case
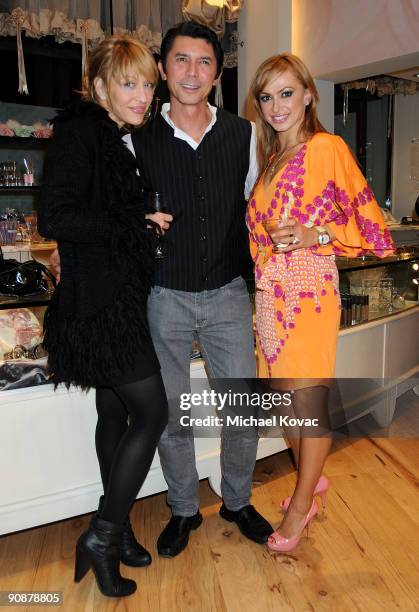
[[372, 288], [40, 427]]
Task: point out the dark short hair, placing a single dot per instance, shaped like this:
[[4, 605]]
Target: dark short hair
[[194, 30]]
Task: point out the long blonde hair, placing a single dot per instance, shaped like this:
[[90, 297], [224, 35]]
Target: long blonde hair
[[118, 57], [267, 141]]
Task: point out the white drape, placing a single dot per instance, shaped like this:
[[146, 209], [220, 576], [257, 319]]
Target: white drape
[[141, 18], [64, 19], [148, 19], [86, 21], [212, 13]]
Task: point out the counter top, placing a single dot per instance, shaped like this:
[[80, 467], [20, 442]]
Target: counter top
[[399, 227], [45, 245]]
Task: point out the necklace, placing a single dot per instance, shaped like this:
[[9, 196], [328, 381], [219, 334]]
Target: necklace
[[274, 165]]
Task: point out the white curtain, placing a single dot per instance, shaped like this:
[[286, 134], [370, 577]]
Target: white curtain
[[212, 13], [171, 14], [148, 19], [64, 19], [221, 16], [86, 21], [141, 18]]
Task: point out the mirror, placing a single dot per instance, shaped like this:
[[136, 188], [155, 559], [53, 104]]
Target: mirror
[[382, 122], [369, 133]]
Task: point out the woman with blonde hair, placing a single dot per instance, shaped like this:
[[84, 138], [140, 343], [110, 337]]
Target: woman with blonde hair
[[96, 329], [310, 204]]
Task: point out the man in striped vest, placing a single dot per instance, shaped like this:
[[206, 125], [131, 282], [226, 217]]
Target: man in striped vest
[[203, 160]]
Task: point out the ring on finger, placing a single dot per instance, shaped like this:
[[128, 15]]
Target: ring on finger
[[296, 240]]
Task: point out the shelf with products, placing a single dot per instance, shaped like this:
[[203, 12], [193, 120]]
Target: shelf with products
[[29, 246], [8, 302], [379, 316], [23, 361], [21, 167], [23, 142], [21, 189]]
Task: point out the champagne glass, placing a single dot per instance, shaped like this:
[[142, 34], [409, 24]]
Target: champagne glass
[[271, 225]]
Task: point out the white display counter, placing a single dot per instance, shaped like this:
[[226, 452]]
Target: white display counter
[[49, 469]]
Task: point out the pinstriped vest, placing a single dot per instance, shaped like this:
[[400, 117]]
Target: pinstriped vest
[[207, 244]]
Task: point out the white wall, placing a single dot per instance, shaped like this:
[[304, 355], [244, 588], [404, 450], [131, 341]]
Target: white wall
[[326, 107], [355, 37], [265, 28], [406, 127], [343, 40]]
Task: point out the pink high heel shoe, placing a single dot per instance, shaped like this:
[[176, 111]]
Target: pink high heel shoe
[[280, 544], [321, 489]]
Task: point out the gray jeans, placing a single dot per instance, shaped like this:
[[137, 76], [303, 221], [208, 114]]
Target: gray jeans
[[222, 321]]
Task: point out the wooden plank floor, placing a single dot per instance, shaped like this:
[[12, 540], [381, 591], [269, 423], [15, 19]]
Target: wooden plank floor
[[361, 555]]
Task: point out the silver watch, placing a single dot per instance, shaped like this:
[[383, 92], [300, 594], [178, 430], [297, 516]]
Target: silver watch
[[323, 237]]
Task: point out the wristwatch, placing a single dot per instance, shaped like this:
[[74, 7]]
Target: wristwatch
[[323, 237]]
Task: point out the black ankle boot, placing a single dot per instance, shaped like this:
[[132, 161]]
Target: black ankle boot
[[133, 553], [99, 548]]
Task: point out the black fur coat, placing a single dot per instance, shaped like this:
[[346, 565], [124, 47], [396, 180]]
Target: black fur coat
[[96, 326]]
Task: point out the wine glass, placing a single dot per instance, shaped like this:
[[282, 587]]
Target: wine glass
[[157, 203]]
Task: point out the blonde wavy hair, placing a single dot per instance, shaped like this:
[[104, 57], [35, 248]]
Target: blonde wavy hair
[[118, 57], [267, 141]]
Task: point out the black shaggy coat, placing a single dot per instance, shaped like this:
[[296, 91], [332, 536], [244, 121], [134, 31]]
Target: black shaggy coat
[[96, 330]]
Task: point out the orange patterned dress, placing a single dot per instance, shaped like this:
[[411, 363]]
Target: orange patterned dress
[[297, 293]]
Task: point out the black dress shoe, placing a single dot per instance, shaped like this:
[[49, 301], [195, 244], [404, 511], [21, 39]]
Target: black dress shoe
[[175, 536], [250, 522]]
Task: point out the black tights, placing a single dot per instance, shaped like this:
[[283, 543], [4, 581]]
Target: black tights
[[131, 419]]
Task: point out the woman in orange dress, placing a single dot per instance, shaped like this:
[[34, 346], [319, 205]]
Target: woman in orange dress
[[310, 203]]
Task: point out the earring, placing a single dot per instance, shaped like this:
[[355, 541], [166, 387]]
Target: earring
[[147, 114]]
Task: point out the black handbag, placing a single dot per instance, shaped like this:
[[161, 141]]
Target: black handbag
[[20, 279]]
